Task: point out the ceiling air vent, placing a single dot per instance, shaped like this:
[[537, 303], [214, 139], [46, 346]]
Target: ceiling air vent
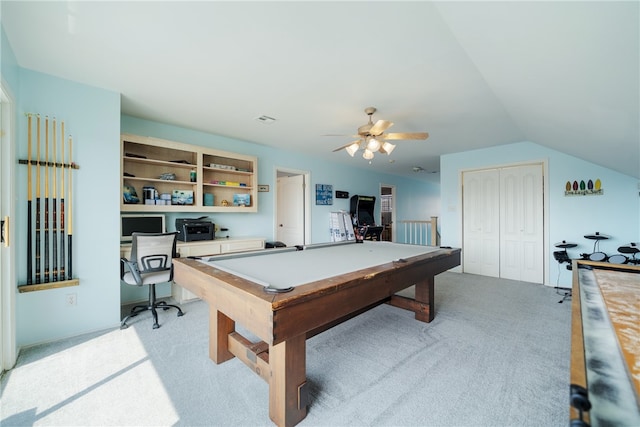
[[265, 120]]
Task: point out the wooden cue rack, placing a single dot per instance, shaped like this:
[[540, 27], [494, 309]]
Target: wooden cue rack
[[50, 165]]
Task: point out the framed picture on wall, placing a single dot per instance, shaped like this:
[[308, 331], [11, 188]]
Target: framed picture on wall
[[324, 194]]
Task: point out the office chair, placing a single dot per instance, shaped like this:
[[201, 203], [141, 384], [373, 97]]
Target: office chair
[[151, 263]]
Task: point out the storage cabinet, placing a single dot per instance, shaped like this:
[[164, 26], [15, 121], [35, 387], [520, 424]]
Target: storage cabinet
[[240, 245], [187, 178], [213, 247]]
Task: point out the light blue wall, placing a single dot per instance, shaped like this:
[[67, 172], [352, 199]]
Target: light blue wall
[[92, 117], [616, 213]]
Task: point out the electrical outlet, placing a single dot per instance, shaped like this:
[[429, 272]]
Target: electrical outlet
[[71, 299]]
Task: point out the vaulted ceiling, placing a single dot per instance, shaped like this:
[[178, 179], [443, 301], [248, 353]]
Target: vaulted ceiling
[[564, 75]]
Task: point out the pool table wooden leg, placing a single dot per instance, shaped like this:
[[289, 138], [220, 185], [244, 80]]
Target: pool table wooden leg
[[220, 326], [287, 388], [425, 295]]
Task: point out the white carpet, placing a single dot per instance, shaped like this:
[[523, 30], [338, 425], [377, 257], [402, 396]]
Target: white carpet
[[496, 354]]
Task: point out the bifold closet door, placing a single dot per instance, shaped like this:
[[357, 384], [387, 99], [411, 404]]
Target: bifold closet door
[[521, 223], [481, 222], [503, 223]]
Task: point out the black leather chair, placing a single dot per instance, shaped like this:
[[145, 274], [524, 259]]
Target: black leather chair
[[151, 263]]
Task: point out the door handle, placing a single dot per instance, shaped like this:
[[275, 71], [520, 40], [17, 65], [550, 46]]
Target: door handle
[[4, 235], [280, 225]]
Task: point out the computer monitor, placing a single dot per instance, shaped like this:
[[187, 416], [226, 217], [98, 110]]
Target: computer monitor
[[141, 223]]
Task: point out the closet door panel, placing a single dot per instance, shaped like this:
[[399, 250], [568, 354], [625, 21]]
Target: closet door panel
[[521, 223], [481, 236], [510, 223], [532, 238]]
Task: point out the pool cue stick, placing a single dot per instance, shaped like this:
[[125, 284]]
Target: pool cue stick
[[38, 201], [46, 199], [62, 260], [54, 218], [70, 225], [29, 195]]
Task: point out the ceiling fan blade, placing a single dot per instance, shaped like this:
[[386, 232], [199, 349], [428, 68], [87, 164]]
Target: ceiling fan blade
[[342, 134], [379, 127], [409, 135], [346, 145]]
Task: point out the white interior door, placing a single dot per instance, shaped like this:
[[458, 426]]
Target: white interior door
[[8, 351], [290, 208], [481, 226], [521, 223]]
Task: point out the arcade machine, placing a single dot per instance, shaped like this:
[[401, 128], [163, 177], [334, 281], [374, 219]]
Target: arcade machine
[[364, 225]]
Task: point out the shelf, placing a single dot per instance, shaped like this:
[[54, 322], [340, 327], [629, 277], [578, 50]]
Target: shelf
[[183, 208], [163, 181], [158, 162], [48, 285], [147, 159], [236, 187], [227, 171]]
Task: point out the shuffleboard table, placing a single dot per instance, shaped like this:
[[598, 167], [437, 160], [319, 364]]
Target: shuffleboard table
[[605, 344], [285, 296]]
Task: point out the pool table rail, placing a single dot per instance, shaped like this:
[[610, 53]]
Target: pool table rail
[[310, 306]]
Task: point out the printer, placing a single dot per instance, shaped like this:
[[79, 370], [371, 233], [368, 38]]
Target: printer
[[191, 230]]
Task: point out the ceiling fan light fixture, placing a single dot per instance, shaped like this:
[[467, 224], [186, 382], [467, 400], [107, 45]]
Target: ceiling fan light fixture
[[368, 154], [373, 145], [351, 149], [387, 147], [373, 138]]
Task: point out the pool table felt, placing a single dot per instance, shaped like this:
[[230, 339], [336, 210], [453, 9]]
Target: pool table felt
[[294, 268]]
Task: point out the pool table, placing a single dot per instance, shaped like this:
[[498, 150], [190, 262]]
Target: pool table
[[285, 296]]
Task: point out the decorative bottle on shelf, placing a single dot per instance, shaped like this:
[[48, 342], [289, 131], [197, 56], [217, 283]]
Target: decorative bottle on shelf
[[192, 176]]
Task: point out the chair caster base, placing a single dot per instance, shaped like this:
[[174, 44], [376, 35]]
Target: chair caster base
[[153, 307]]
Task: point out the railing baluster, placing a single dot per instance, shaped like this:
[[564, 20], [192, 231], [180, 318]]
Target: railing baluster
[[421, 232]]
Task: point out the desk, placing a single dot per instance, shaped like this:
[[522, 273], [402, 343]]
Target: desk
[[329, 283], [605, 345]]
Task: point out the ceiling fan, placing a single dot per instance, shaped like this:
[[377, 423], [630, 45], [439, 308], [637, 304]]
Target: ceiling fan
[[372, 137]]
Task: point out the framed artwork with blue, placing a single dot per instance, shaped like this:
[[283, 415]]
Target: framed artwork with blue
[[324, 194]]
